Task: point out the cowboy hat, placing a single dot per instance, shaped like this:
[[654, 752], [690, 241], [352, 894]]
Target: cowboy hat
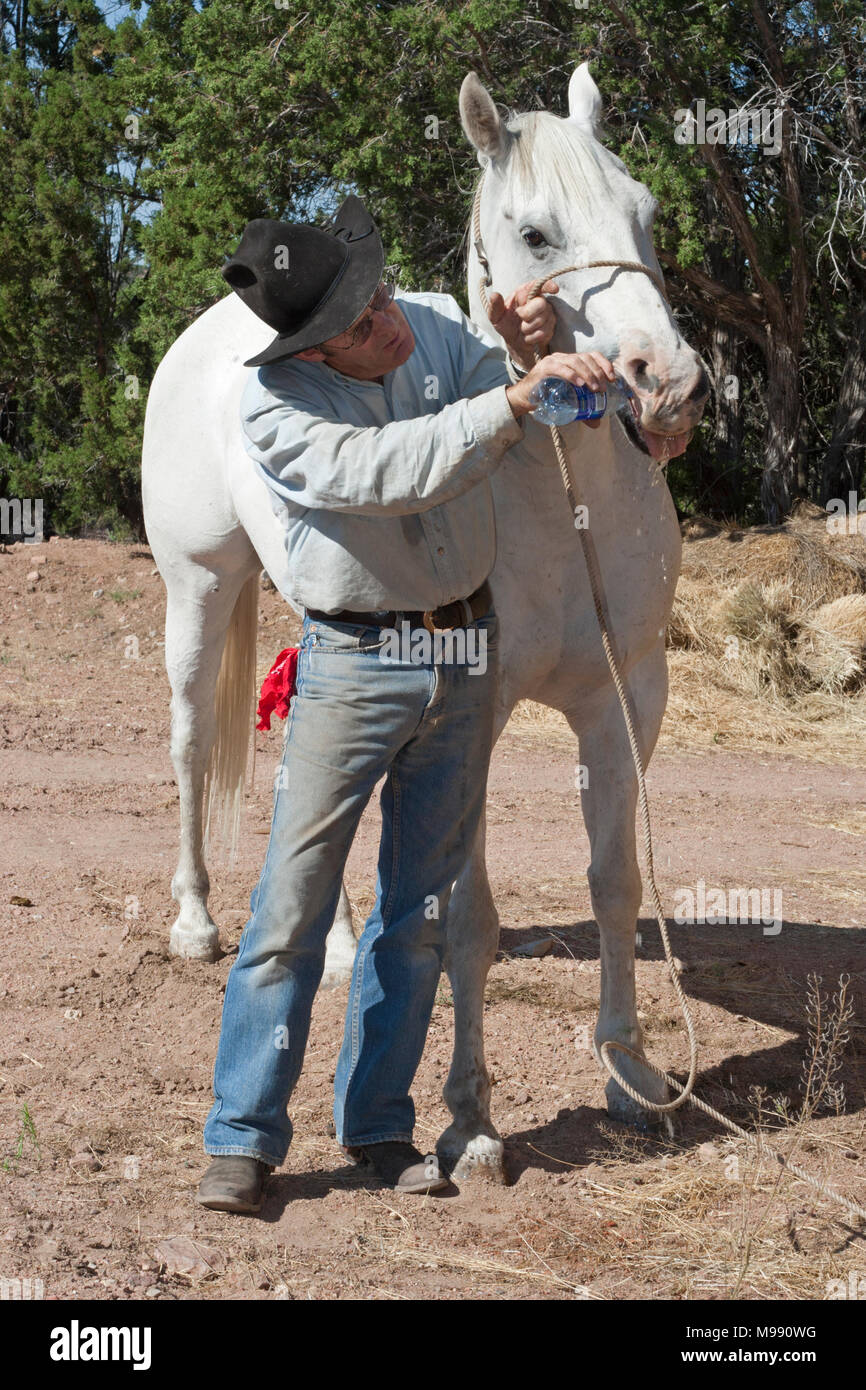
[[309, 283]]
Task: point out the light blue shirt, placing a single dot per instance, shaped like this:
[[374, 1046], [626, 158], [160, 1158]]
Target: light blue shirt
[[383, 489]]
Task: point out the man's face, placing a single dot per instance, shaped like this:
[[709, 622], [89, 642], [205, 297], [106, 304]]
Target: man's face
[[389, 344]]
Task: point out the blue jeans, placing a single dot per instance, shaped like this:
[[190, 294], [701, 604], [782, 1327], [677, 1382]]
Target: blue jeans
[[426, 726]]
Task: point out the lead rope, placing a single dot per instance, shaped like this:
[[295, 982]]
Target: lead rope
[[685, 1093]]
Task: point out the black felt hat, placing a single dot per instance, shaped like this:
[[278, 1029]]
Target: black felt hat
[[309, 283]]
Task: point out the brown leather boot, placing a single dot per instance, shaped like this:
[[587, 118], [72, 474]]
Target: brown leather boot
[[233, 1182], [400, 1165]]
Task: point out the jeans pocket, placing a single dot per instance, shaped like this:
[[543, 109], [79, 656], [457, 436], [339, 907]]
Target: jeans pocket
[[344, 637]]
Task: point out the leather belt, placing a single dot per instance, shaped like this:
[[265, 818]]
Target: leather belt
[[449, 615]]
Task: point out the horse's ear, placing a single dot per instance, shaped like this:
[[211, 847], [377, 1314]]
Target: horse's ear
[[480, 119], [584, 100]]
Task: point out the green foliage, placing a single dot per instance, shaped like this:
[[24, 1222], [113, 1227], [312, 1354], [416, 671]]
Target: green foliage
[[27, 1139], [134, 154], [69, 252]]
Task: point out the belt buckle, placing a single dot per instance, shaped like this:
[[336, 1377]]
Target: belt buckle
[[433, 627], [427, 619]]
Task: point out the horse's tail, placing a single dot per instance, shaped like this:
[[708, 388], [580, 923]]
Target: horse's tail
[[234, 705]]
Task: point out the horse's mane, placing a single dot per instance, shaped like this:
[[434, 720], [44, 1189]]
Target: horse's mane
[[547, 151]]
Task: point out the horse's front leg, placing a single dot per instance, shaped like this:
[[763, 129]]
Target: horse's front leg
[[340, 946], [609, 801], [470, 1145]]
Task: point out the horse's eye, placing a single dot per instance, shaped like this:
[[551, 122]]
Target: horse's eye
[[533, 237]]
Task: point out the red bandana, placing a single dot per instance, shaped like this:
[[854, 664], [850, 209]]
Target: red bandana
[[278, 687]]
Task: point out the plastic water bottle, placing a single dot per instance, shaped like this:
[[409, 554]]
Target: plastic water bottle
[[557, 402]]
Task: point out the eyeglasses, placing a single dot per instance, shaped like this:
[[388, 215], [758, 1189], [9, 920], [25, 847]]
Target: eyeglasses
[[363, 327]]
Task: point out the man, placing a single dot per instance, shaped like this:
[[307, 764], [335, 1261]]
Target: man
[[376, 422]]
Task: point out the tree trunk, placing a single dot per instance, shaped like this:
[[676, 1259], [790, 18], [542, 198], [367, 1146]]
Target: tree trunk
[[782, 479], [8, 416], [728, 425], [843, 462], [722, 483]]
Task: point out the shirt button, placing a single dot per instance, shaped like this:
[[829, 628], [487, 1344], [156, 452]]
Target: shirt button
[[440, 550]]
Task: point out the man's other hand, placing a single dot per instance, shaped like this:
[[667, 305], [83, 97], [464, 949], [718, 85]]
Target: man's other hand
[[524, 325]]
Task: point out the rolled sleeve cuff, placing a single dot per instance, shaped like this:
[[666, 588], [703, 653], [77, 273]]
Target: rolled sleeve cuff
[[493, 420]]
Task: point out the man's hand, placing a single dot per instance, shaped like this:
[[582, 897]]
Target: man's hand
[[523, 325], [590, 369]]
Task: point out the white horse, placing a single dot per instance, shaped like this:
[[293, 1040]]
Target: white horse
[[552, 196]]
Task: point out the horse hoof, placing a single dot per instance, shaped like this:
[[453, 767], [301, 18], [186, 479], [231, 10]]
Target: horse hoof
[[482, 1156], [195, 943], [335, 976], [626, 1111]]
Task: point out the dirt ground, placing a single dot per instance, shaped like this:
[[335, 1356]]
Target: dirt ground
[[107, 1042]]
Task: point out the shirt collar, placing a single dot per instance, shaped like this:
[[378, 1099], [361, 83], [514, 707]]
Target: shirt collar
[[350, 380]]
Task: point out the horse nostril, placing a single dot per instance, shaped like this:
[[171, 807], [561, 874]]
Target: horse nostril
[[637, 368], [701, 387]]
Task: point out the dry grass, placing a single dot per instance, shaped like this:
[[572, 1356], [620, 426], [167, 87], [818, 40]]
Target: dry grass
[[726, 1220], [398, 1244], [832, 644], [818, 565], [766, 643], [720, 1228], [681, 1225]]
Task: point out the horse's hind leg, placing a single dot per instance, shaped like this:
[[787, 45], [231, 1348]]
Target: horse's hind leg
[[198, 611]]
